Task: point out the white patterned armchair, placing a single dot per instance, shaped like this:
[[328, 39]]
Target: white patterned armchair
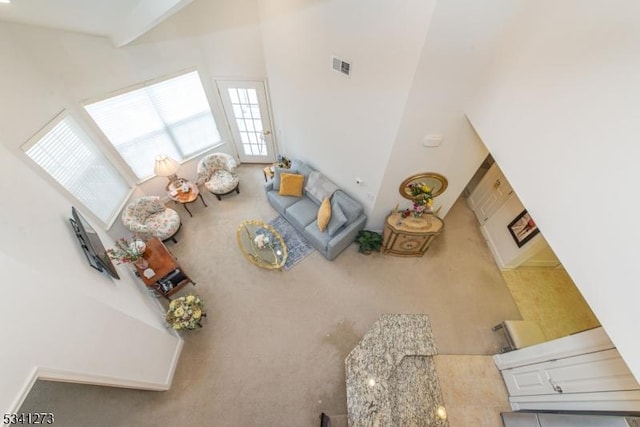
[[148, 217], [217, 172]]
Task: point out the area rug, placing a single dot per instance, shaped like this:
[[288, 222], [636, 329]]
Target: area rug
[[297, 246]]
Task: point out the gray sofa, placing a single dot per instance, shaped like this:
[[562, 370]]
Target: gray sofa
[[347, 214]]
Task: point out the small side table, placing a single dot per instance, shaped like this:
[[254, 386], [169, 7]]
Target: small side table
[[168, 276], [269, 171], [178, 194], [410, 236]]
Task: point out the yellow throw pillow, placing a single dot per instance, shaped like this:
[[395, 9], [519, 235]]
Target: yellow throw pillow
[[324, 214], [291, 184]]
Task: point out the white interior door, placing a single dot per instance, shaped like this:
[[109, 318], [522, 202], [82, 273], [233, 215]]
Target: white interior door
[[491, 193], [245, 106]]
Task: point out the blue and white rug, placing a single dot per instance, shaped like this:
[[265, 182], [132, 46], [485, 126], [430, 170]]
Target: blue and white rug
[[297, 246]]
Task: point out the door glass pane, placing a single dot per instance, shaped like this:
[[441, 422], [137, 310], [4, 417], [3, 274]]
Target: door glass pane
[[253, 97], [242, 93], [246, 111], [233, 95]]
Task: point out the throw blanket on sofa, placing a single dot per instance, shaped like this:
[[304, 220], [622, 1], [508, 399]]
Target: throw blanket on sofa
[[319, 187]]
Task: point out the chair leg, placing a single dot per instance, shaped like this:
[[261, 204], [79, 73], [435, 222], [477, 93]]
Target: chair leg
[[238, 189], [218, 196]]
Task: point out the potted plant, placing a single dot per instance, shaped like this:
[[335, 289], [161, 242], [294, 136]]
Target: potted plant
[[369, 241]]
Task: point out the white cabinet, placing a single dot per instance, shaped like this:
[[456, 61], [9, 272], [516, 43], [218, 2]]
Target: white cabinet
[[593, 372], [579, 372], [530, 419]]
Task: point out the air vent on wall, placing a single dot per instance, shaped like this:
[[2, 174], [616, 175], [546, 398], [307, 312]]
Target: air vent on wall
[[343, 67]]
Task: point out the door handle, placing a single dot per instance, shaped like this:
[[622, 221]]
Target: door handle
[[556, 387], [266, 132]]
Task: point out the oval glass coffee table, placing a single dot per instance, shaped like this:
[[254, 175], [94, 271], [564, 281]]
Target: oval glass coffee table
[[261, 244]]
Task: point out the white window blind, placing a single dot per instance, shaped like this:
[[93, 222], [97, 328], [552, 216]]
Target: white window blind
[[171, 117], [68, 154]]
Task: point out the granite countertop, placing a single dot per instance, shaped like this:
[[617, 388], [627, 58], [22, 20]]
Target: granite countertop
[[390, 375]]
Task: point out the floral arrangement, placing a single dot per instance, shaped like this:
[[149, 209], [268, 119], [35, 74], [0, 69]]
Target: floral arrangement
[[422, 199], [185, 313], [261, 241], [126, 250], [283, 161]]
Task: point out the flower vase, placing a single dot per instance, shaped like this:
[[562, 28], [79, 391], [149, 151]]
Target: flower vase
[[141, 263], [138, 246]]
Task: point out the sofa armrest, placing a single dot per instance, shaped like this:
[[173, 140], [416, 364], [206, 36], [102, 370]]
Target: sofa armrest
[[268, 186], [345, 237]]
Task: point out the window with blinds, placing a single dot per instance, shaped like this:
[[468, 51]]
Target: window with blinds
[[67, 153], [171, 117]]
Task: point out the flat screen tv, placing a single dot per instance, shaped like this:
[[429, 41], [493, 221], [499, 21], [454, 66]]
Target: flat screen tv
[[91, 245]]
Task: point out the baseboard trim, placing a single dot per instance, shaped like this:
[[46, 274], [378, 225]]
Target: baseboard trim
[[492, 248], [49, 374]]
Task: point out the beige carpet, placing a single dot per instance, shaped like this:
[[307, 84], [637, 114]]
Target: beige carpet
[[272, 349]]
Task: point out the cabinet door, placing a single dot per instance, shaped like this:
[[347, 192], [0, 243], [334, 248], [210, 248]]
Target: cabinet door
[[410, 243], [593, 372]]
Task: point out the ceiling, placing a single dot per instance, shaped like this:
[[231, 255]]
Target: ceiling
[[120, 20]]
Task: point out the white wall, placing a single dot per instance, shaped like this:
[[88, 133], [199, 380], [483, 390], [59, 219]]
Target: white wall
[[504, 249], [62, 318], [456, 54], [560, 115], [48, 71], [65, 320], [414, 65], [343, 126]]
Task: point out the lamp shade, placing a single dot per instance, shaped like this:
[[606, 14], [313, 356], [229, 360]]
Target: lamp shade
[[165, 165]]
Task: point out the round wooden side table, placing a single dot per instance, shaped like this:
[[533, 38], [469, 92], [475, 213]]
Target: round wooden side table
[[184, 192]]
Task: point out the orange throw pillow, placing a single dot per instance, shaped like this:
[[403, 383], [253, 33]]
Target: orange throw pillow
[[291, 184], [324, 214]]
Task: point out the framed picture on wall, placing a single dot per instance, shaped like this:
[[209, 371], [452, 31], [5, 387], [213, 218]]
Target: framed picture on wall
[[523, 228]]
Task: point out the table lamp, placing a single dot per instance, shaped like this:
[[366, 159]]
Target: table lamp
[[166, 166]]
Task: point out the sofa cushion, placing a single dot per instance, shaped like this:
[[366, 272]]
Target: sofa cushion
[[302, 168], [319, 186], [337, 221], [316, 237], [351, 209], [291, 184], [280, 203], [324, 214], [276, 175], [302, 213]]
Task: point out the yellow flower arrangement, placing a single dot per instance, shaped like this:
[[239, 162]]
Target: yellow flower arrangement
[[185, 313], [422, 199]]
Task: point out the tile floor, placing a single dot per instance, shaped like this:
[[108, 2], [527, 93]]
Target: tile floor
[[550, 298], [472, 389]]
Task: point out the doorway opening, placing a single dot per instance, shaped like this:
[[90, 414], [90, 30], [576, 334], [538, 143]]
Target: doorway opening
[[540, 286]]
